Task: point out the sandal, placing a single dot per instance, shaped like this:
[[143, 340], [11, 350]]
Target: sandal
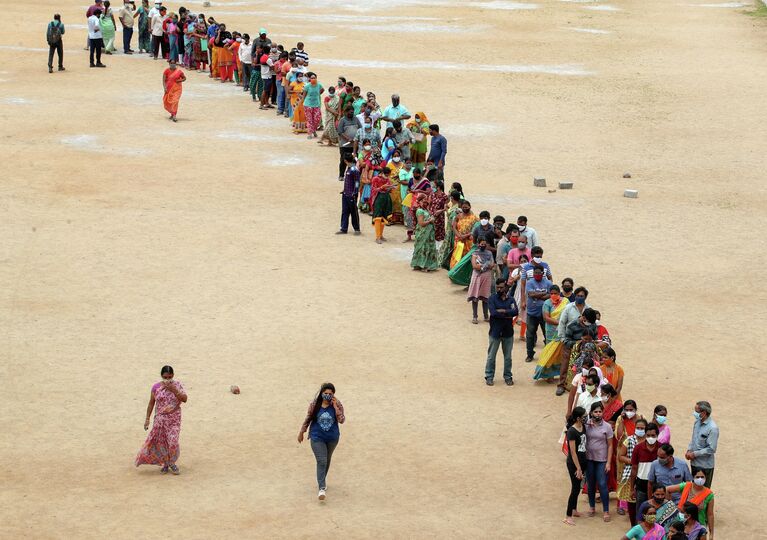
[[592, 513], [174, 470], [606, 517], [164, 470], [568, 521]]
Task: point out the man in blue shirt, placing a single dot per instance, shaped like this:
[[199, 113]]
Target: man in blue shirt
[[395, 111], [705, 438], [438, 150], [537, 292], [503, 309], [668, 470]]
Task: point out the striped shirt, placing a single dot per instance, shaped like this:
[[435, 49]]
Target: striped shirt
[[303, 55]]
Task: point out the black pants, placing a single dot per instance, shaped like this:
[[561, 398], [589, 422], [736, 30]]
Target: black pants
[[246, 69], [349, 209], [533, 323], [346, 151], [273, 90], [95, 47], [127, 35], [575, 489], [158, 42], [59, 49]]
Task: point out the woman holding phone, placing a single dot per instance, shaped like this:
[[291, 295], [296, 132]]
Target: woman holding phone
[[322, 419], [161, 446]]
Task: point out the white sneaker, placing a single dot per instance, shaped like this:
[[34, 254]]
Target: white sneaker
[[321, 495]]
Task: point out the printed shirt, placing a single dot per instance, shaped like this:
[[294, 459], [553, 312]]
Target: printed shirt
[[340, 416]]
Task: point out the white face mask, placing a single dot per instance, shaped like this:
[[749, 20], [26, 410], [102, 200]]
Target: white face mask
[[521, 246], [367, 147], [484, 222], [631, 414], [239, 40], [699, 481], [396, 159], [537, 260], [652, 440]]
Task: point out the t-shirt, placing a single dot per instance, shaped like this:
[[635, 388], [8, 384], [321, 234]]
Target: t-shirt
[[488, 233], [527, 268], [598, 437], [406, 177], [244, 53], [94, 27], [641, 460], [325, 427], [535, 305], [312, 94], [580, 446], [157, 21], [266, 66]]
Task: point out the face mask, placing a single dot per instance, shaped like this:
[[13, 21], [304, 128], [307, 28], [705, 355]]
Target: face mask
[[682, 517], [554, 298], [239, 40], [522, 228], [537, 260], [368, 126], [699, 481], [580, 300], [659, 500], [660, 419], [652, 440], [696, 414], [327, 397], [590, 388], [314, 83], [567, 288], [663, 461], [484, 222], [597, 419], [482, 248], [632, 414], [538, 278], [514, 241], [605, 399], [367, 147], [299, 79], [521, 246], [639, 433], [396, 159]]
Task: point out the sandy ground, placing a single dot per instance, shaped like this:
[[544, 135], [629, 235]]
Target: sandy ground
[[129, 242]]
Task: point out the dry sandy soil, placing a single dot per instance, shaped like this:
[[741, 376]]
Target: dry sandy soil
[[129, 242]]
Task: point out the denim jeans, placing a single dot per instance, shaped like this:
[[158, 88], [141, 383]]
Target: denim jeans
[[173, 47], [323, 451], [127, 35], [492, 351], [280, 98], [595, 474]]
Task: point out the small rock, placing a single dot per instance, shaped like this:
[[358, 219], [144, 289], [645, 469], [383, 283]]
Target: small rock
[[626, 175], [565, 185], [631, 194], [234, 389], [206, 4], [539, 182], [552, 191]]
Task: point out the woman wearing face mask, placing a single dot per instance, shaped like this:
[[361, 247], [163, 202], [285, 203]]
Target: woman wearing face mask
[[576, 460], [380, 202], [462, 227], [482, 261], [626, 499], [646, 530], [161, 446], [388, 145], [332, 115], [599, 448], [311, 101], [446, 250], [395, 165], [370, 166], [425, 250], [548, 365], [641, 461], [698, 495], [200, 44], [296, 101], [602, 333], [437, 208], [611, 370], [567, 288], [692, 527], [591, 394], [659, 417], [322, 419], [172, 78], [224, 56], [419, 127]]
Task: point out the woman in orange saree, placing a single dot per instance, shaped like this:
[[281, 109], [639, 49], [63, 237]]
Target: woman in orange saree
[[171, 83]]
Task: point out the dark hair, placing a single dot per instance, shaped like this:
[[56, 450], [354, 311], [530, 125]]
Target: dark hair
[[597, 404], [484, 214], [97, 12], [456, 186], [522, 218], [500, 281], [611, 353], [554, 287], [318, 399], [590, 315], [609, 389], [341, 78], [389, 132], [166, 369], [583, 290], [465, 201], [659, 408], [499, 218], [641, 419], [350, 83], [440, 185], [538, 269], [568, 279], [356, 88], [691, 509], [300, 43], [434, 127], [523, 256], [593, 378], [511, 227], [588, 362], [107, 3], [537, 250], [651, 426], [666, 447], [578, 412], [397, 124], [455, 195], [630, 402], [245, 36], [57, 17]]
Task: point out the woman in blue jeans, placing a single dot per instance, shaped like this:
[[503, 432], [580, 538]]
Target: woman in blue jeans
[[599, 448], [322, 419]]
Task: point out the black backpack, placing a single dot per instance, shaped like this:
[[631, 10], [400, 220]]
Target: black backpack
[[55, 34]]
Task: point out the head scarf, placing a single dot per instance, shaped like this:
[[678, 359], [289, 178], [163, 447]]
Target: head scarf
[[422, 116]]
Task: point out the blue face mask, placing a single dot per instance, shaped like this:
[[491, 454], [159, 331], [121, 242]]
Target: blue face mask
[[580, 300], [660, 419], [696, 414]]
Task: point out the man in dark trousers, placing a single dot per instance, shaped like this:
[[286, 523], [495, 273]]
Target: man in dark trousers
[[503, 309], [55, 42], [349, 196]]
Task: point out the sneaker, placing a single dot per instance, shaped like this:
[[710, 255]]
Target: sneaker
[[174, 470], [489, 382], [509, 382], [164, 470], [340, 232], [357, 233], [62, 68], [560, 390], [321, 495], [474, 321]]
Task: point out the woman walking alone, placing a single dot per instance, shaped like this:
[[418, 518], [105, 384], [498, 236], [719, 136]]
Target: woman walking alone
[[171, 83], [322, 419], [161, 446]]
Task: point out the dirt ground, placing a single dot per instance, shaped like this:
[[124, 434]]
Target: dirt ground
[[129, 242]]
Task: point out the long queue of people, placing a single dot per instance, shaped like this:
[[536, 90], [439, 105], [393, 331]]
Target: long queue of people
[[392, 165]]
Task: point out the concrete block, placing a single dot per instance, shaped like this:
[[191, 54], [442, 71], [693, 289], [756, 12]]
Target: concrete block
[[565, 185], [631, 193], [539, 182]]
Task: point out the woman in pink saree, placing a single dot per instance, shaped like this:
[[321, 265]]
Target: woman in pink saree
[[161, 446]]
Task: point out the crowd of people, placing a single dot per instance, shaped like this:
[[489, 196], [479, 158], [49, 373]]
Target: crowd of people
[[392, 168]]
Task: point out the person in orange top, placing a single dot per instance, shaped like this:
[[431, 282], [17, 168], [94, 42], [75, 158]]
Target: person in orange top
[[171, 83], [697, 493], [611, 370]]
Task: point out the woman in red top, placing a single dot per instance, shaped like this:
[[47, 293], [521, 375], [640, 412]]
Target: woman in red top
[[171, 83]]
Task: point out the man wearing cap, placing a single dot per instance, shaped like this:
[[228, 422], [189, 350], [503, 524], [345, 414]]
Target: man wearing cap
[[395, 111], [155, 10], [262, 41], [126, 16], [158, 34]]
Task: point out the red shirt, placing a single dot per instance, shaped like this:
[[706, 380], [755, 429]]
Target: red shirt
[[93, 8]]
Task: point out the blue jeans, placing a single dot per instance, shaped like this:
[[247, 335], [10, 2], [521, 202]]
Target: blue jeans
[[280, 98], [173, 39], [492, 350], [127, 35], [595, 474]]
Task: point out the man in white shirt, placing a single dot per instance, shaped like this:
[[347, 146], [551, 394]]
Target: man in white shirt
[[158, 39], [155, 10], [529, 232], [246, 60], [95, 39]]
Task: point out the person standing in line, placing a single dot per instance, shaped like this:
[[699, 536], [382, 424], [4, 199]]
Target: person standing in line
[[697, 493], [576, 460], [144, 25], [529, 232], [161, 446], [95, 41], [572, 312], [667, 470], [438, 151], [53, 36], [171, 83], [108, 28], [641, 460], [705, 437], [536, 291], [322, 420], [425, 249], [599, 448], [347, 128], [312, 105], [349, 197], [158, 35], [503, 309], [126, 16], [98, 4], [482, 263]]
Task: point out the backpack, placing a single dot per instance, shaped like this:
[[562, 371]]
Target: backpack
[[55, 34]]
